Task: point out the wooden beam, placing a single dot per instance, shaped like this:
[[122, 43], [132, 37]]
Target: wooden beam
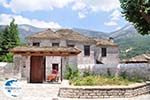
[[47, 53]]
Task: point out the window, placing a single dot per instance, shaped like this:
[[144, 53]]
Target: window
[[55, 44], [98, 62], [70, 45], [104, 52], [87, 50], [36, 44]]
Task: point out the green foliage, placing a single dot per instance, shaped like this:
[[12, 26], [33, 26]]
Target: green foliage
[[108, 72], [70, 73], [100, 80], [123, 75], [136, 45], [9, 39], [7, 58], [138, 12], [86, 73]]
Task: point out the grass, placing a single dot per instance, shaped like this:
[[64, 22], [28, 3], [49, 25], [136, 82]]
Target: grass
[[101, 80]]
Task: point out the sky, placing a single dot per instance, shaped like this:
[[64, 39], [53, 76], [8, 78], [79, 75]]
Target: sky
[[98, 15]]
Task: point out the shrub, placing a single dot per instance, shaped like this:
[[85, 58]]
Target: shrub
[[70, 73], [123, 75], [86, 73], [108, 72], [100, 80], [7, 58]]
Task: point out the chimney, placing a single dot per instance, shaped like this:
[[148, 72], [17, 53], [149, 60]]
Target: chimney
[[111, 39]]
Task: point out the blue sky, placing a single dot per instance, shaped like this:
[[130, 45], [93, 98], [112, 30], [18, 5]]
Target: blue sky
[[99, 15]]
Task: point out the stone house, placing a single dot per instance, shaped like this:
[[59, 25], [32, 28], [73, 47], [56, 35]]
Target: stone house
[[143, 58], [49, 49]]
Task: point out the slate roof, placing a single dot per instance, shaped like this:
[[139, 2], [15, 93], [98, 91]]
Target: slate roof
[[138, 59]]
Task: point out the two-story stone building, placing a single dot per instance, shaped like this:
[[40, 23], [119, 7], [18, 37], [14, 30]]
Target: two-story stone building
[[48, 50]]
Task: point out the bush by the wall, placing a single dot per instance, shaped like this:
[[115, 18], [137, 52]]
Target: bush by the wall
[[71, 73]]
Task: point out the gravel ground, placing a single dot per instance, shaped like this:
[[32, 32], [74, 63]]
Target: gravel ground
[[49, 92]]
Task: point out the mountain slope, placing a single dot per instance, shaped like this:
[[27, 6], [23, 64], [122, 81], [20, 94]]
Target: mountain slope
[[91, 33], [131, 43]]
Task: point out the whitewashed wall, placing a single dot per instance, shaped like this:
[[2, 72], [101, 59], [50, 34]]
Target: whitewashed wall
[[132, 70]]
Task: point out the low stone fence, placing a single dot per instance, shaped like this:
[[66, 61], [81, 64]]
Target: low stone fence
[[7, 71], [95, 92]]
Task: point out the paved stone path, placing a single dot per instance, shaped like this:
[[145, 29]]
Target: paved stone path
[[49, 92], [34, 92]]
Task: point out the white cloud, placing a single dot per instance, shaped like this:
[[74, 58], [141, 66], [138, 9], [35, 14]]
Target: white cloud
[[81, 15], [18, 6], [88, 6], [2, 2], [118, 28], [111, 23], [115, 17], [83, 7], [6, 18]]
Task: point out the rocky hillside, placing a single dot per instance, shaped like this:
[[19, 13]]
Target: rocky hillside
[[131, 43]]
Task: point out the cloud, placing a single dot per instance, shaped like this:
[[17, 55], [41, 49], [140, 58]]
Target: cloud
[[2, 2], [87, 6], [111, 23], [115, 17], [6, 18], [118, 28], [18, 6], [83, 7]]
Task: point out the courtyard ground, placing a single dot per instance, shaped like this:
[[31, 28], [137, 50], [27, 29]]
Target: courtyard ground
[[49, 92]]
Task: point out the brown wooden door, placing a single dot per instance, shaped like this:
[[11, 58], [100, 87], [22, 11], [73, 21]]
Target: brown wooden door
[[37, 72]]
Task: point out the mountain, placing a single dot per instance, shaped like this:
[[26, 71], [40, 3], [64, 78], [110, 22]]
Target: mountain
[[25, 30], [130, 42], [91, 33], [125, 32]]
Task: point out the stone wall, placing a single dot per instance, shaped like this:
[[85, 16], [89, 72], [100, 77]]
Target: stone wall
[[112, 56], [95, 92]]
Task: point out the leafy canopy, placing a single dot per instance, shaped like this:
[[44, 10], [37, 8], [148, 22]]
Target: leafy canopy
[[137, 12]]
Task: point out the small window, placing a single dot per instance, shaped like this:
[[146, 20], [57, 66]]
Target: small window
[[98, 62], [87, 50], [55, 44], [104, 52], [70, 45], [36, 44]]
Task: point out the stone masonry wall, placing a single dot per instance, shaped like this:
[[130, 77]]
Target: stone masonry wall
[[103, 92]]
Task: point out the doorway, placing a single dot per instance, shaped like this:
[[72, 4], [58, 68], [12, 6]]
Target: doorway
[[55, 67], [37, 69]]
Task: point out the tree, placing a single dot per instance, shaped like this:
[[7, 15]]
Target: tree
[[138, 12], [9, 39]]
